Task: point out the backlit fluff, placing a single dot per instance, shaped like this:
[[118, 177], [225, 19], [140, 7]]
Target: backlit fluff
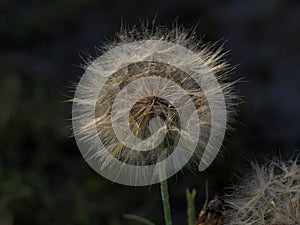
[[148, 108], [269, 195]]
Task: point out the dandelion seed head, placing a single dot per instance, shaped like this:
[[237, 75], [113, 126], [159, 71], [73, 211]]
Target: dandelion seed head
[[270, 194], [155, 102]]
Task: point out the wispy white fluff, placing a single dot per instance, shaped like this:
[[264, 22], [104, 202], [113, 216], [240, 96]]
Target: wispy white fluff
[[269, 195], [111, 76]]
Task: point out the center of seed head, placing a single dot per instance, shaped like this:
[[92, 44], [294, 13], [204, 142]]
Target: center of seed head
[[149, 101]]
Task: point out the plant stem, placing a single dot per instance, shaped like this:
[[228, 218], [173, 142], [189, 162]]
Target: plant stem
[[163, 175], [165, 201], [191, 212]]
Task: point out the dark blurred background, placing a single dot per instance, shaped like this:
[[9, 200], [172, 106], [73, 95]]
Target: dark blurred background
[[43, 177]]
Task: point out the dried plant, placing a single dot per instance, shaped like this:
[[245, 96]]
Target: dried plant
[[268, 195]]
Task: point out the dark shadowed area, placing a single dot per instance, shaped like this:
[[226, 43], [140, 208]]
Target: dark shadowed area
[[43, 177]]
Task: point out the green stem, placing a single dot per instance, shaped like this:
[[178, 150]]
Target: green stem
[[191, 212], [165, 201], [164, 183]]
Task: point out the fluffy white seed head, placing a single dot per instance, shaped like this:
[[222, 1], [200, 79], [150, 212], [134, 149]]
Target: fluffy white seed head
[[143, 112], [270, 194]]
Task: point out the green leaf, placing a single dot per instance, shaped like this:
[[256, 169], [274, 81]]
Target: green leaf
[[138, 219]]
